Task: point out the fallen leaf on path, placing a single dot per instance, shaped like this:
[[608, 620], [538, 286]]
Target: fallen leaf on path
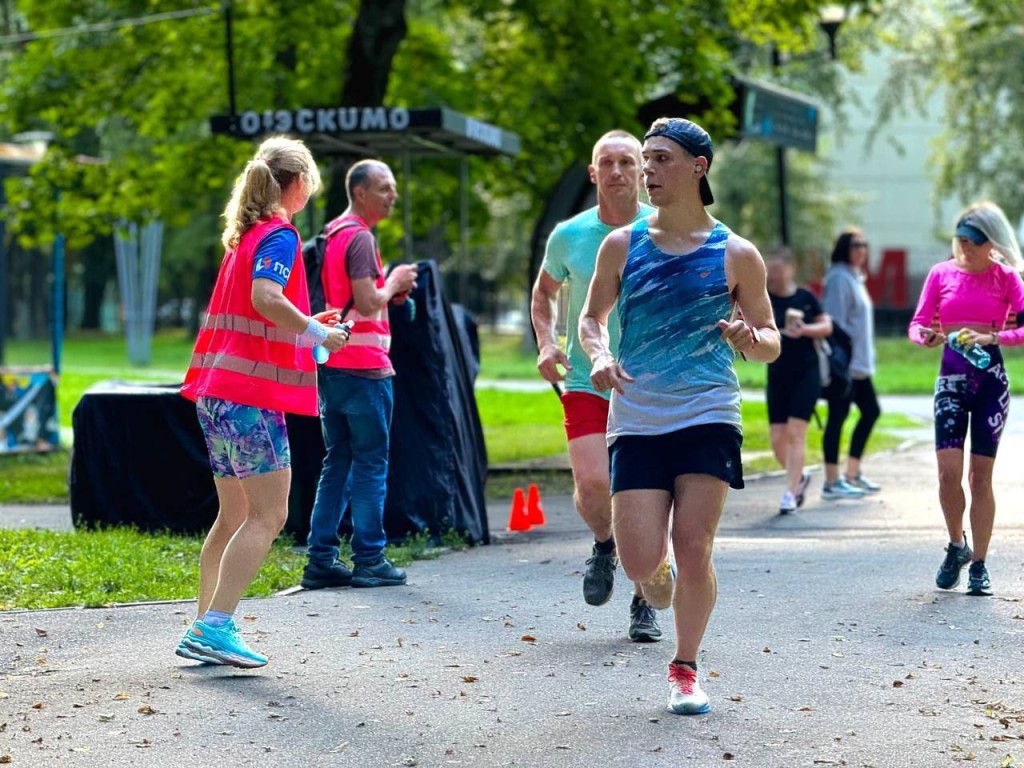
[[766, 649], [5, 759], [897, 683], [4, 695], [469, 679], [340, 748], [736, 698], [38, 705], [563, 714], [806, 709], [121, 697], [728, 756], [713, 674], [106, 718], [145, 709], [531, 639], [581, 626], [41, 632]]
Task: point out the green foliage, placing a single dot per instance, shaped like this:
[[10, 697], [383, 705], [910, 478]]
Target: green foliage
[[559, 73], [970, 51]]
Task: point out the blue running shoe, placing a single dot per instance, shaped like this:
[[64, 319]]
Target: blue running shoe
[[223, 644], [187, 653]]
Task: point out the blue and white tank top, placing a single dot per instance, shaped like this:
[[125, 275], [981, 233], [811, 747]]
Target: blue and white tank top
[[669, 306]]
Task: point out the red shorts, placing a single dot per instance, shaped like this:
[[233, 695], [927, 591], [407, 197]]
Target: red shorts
[[585, 414]]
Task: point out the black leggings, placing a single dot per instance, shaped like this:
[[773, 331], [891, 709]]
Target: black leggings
[[862, 394]]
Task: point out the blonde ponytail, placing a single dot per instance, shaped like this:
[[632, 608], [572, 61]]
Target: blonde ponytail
[[278, 162]]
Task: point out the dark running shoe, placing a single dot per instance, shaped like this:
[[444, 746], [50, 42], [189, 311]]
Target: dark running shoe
[[320, 576], [379, 574], [978, 583], [805, 480], [949, 572], [643, 622], [599, 580]]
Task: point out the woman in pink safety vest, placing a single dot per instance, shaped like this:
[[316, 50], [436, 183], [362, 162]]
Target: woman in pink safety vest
[[252, 363]]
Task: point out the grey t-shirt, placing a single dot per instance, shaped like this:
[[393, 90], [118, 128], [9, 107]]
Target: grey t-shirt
[[847, 300]]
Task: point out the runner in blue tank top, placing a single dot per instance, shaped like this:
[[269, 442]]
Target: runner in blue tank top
[[679, 277]]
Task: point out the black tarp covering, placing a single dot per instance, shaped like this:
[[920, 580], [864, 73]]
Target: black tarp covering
[[139, 457], [438, 460]]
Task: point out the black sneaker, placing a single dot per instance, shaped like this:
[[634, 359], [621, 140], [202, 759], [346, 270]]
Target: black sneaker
[[599, 580], [978, 583], [643, 622], [379, 574], [949, 572], [320, 576], [805, 480]]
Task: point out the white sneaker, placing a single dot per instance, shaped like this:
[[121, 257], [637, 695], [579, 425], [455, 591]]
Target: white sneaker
[[862, 483], [840, 489], [788, 503], [686, 696], [659, 588]]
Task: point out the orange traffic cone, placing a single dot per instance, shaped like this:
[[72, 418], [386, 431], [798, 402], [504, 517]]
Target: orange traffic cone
[[518, 520], [534, 511]]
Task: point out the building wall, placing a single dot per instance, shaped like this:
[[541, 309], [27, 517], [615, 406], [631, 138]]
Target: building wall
[[892, 176]]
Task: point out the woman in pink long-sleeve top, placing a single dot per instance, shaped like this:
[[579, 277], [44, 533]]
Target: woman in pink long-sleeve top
[[971, 296]]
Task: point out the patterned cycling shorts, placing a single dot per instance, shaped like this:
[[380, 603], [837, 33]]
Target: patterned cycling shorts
[[970, 398], [243, 441]]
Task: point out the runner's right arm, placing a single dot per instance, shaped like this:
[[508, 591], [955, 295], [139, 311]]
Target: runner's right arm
[[543, 309], [593, 329]]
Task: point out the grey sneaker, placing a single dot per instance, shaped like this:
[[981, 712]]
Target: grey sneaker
[[840, 489], [599, 580], [956, 558], [320, 576], [643, 622], [379, 574], [862, 483], [978, 583]]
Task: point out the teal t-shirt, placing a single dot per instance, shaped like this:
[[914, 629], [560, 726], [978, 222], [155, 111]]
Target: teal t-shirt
[[570, 258]]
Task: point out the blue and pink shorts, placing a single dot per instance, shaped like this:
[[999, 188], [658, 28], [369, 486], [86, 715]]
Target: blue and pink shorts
[[242, 440]]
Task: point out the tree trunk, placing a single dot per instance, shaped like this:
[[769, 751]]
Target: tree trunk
[[97, 270], [378, 31]]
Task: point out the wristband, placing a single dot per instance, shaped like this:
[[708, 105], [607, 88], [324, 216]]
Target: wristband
[[315, 333]]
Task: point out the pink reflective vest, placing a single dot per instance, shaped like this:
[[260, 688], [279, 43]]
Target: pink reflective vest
[[239, 355]]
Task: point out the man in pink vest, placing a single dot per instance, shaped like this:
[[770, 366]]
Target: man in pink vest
[[355, 390]]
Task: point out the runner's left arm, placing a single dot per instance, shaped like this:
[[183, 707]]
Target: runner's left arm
[[755, 336], [606, 373]]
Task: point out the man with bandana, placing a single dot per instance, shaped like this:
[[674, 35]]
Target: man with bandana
[[690, 295]]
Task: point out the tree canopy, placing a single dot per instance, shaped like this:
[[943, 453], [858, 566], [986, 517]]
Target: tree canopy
[[558, 73]]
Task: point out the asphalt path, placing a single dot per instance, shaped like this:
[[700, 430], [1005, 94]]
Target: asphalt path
[[830, 645]]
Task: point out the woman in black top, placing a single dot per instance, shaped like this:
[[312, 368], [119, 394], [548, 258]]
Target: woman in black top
[[794, 380]]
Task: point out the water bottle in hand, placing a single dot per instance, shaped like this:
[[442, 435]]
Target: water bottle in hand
[[320, 354], [975, 353]]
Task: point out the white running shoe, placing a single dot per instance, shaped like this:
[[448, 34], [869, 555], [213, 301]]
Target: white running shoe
[[686, 696], [788, 503], [658, 589]]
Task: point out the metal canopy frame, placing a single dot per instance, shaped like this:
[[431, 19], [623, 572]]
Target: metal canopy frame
[[375, 131], [433, 133]]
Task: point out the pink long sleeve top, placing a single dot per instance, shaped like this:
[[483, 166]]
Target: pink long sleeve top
[[977, 299]]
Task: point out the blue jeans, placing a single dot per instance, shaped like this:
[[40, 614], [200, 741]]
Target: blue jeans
[[355, 416]]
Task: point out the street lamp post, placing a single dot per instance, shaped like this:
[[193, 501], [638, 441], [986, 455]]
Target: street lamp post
[[831, 17]]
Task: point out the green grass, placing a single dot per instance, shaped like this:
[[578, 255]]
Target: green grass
[[38, 478], [48, 569], [527, 425], [903, 368]]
